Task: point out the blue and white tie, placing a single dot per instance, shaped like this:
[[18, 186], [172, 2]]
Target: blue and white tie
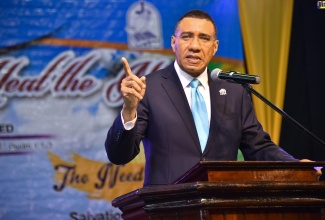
[[200, 114]]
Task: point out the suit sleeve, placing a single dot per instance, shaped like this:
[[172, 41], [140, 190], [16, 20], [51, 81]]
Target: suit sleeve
[[121, 145], [256, 144]]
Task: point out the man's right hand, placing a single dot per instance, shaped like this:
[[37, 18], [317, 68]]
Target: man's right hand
[[133, 89]]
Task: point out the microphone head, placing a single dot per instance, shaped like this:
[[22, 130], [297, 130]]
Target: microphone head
[[257, 79], [215, 73]]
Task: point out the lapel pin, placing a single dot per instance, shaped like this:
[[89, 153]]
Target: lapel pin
[[223, 92]]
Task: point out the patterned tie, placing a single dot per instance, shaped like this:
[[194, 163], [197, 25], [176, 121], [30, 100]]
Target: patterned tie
[[200, 114]]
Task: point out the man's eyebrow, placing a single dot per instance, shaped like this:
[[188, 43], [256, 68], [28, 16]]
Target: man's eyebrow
[[206, 35], [186, 32], [200, 34]]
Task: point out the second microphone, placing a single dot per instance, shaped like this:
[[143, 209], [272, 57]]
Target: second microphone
[[234, 77]]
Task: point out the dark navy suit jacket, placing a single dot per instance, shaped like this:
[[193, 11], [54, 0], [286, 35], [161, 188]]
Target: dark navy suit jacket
[[166, 126]]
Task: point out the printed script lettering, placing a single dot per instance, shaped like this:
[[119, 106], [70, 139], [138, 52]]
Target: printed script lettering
[[66, 76]]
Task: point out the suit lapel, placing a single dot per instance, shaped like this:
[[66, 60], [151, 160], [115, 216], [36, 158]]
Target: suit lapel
[[175, 91], [217, 108]]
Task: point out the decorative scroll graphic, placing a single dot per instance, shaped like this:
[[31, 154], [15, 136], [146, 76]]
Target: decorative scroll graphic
[[99, 180]]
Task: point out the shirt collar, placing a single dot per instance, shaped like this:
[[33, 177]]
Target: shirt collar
[[185, 78]]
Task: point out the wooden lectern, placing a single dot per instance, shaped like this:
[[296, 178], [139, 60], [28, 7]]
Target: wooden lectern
[[214, 190]]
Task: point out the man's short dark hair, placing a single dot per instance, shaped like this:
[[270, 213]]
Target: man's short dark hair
[[200, 15]]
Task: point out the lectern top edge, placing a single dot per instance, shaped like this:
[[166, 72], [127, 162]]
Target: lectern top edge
[[203, 170]]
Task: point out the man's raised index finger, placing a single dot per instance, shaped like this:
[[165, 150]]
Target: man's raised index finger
[[127, 68]]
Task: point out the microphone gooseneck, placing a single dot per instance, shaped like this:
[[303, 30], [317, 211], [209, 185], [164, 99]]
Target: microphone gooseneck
[[246, 81]]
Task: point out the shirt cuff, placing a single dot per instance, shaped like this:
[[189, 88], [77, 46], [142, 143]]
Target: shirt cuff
[[130, 124]]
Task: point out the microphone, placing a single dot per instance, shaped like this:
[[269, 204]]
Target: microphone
[[234, 77]]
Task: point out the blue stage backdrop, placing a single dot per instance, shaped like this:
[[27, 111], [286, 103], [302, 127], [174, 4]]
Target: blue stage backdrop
[[60, 72]]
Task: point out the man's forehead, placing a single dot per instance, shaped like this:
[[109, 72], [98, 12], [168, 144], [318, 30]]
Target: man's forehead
[[195, 25]]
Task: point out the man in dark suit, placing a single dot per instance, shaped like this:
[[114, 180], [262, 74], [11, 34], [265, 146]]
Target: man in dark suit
[[157, 110]]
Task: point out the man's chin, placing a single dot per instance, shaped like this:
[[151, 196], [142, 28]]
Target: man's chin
[[194, 71]]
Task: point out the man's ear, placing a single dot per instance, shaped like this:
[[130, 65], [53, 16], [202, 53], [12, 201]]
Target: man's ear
[[173, 42], [216, 45]]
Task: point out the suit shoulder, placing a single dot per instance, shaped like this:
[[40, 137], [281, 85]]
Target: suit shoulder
[[159, 74]]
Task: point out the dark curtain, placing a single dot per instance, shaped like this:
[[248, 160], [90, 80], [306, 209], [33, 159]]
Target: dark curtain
[[305, 90]]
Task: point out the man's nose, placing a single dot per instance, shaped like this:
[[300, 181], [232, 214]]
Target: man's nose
[[195, 44]]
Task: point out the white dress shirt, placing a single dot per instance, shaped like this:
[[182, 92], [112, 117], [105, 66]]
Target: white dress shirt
[[203, 87]]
